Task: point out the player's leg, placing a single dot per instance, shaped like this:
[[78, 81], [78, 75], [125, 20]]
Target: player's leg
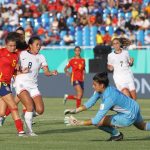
[[28, 103], [79, 94], [9, 100], [38, 104], [109, 124], [140, 124], [132, 90], [3, 107], [126, 92]]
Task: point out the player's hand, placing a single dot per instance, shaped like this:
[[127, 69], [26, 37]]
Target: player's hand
[[25, 70], [71, 121], [54, 72], [68, 74], [70, 111]]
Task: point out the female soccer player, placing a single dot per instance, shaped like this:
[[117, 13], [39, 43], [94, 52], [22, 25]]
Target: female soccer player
[[8, 61], [77, 76], [127, 110], [119, 62], [26, 84]]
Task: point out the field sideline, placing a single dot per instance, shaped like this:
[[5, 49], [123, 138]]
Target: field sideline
[[54, 135]]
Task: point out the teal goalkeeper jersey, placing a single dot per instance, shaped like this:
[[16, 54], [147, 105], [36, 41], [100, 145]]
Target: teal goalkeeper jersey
[[114, 100]]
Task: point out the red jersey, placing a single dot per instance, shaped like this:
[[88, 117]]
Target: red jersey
[[8, 62], [78, 67]]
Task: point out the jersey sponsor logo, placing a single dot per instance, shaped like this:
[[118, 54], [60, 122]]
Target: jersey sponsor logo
[[101, 106]]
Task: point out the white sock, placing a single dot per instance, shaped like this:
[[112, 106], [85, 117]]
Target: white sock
[[28, 119]]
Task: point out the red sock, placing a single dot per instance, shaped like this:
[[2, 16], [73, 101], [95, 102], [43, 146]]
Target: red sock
[[19, 125], [24, 110], [78, 103], [71, 97], [7, 111]]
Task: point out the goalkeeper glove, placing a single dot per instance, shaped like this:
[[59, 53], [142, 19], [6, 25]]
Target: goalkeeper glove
[[71, 121]]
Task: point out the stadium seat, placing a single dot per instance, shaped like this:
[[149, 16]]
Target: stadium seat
[[110, 29], [140, 36], [86, 36], [128, 16], [70, 21], [93, 32], [62, 34], [121, 14], [78, 38], [114, 11]]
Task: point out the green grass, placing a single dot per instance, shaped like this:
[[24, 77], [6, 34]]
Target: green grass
[[54, 135]]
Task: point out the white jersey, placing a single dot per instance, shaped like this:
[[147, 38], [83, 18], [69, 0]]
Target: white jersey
[[34, 63], [120, 62]]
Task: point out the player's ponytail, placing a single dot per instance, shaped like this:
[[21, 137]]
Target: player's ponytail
[[102, 78]]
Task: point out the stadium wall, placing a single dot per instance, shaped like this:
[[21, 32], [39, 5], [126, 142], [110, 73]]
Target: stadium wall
[[57, 58], [57, 86]]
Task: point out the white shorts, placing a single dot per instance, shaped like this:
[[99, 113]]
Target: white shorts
[[129, 85], [31, 88]]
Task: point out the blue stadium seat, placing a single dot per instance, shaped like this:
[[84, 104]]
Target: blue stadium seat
[[86, 36], [140, 36], [128, 16], [70, 21], [45, 15], [110, 29], [93, 32], [78, 37], [102, 30], [114, 11], [35, 1], [62, 34], [121, 14], [106, 11]]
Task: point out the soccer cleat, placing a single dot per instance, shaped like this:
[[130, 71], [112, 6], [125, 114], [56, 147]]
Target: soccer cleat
[[2, 120], [116, 138], [65, 99], [22, 134], [31, 134]]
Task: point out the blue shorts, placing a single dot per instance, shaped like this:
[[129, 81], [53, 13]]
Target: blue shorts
[[123, 120], [4, 89], [78, 83]]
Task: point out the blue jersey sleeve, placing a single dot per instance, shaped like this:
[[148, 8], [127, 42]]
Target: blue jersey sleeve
[[104, 108], [92, 100]]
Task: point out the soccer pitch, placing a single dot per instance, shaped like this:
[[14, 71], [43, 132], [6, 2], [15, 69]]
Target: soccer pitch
[[54, 135]]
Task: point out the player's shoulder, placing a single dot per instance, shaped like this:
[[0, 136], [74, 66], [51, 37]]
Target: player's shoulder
[[111, 54]]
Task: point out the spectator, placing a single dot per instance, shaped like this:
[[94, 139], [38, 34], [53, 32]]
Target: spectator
[[107, 38], [99, 38], [68, 38]]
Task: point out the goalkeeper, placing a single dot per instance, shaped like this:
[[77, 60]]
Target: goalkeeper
[[127, 110]]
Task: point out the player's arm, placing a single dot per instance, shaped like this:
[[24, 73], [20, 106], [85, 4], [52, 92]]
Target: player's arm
[[47, 72], [110, 67], [131, 61], [104, 108], [66, 71], [86, 105]]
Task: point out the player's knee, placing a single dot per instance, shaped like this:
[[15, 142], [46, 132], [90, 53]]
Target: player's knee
[[29, 108], [40, 111], [2, 113]]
